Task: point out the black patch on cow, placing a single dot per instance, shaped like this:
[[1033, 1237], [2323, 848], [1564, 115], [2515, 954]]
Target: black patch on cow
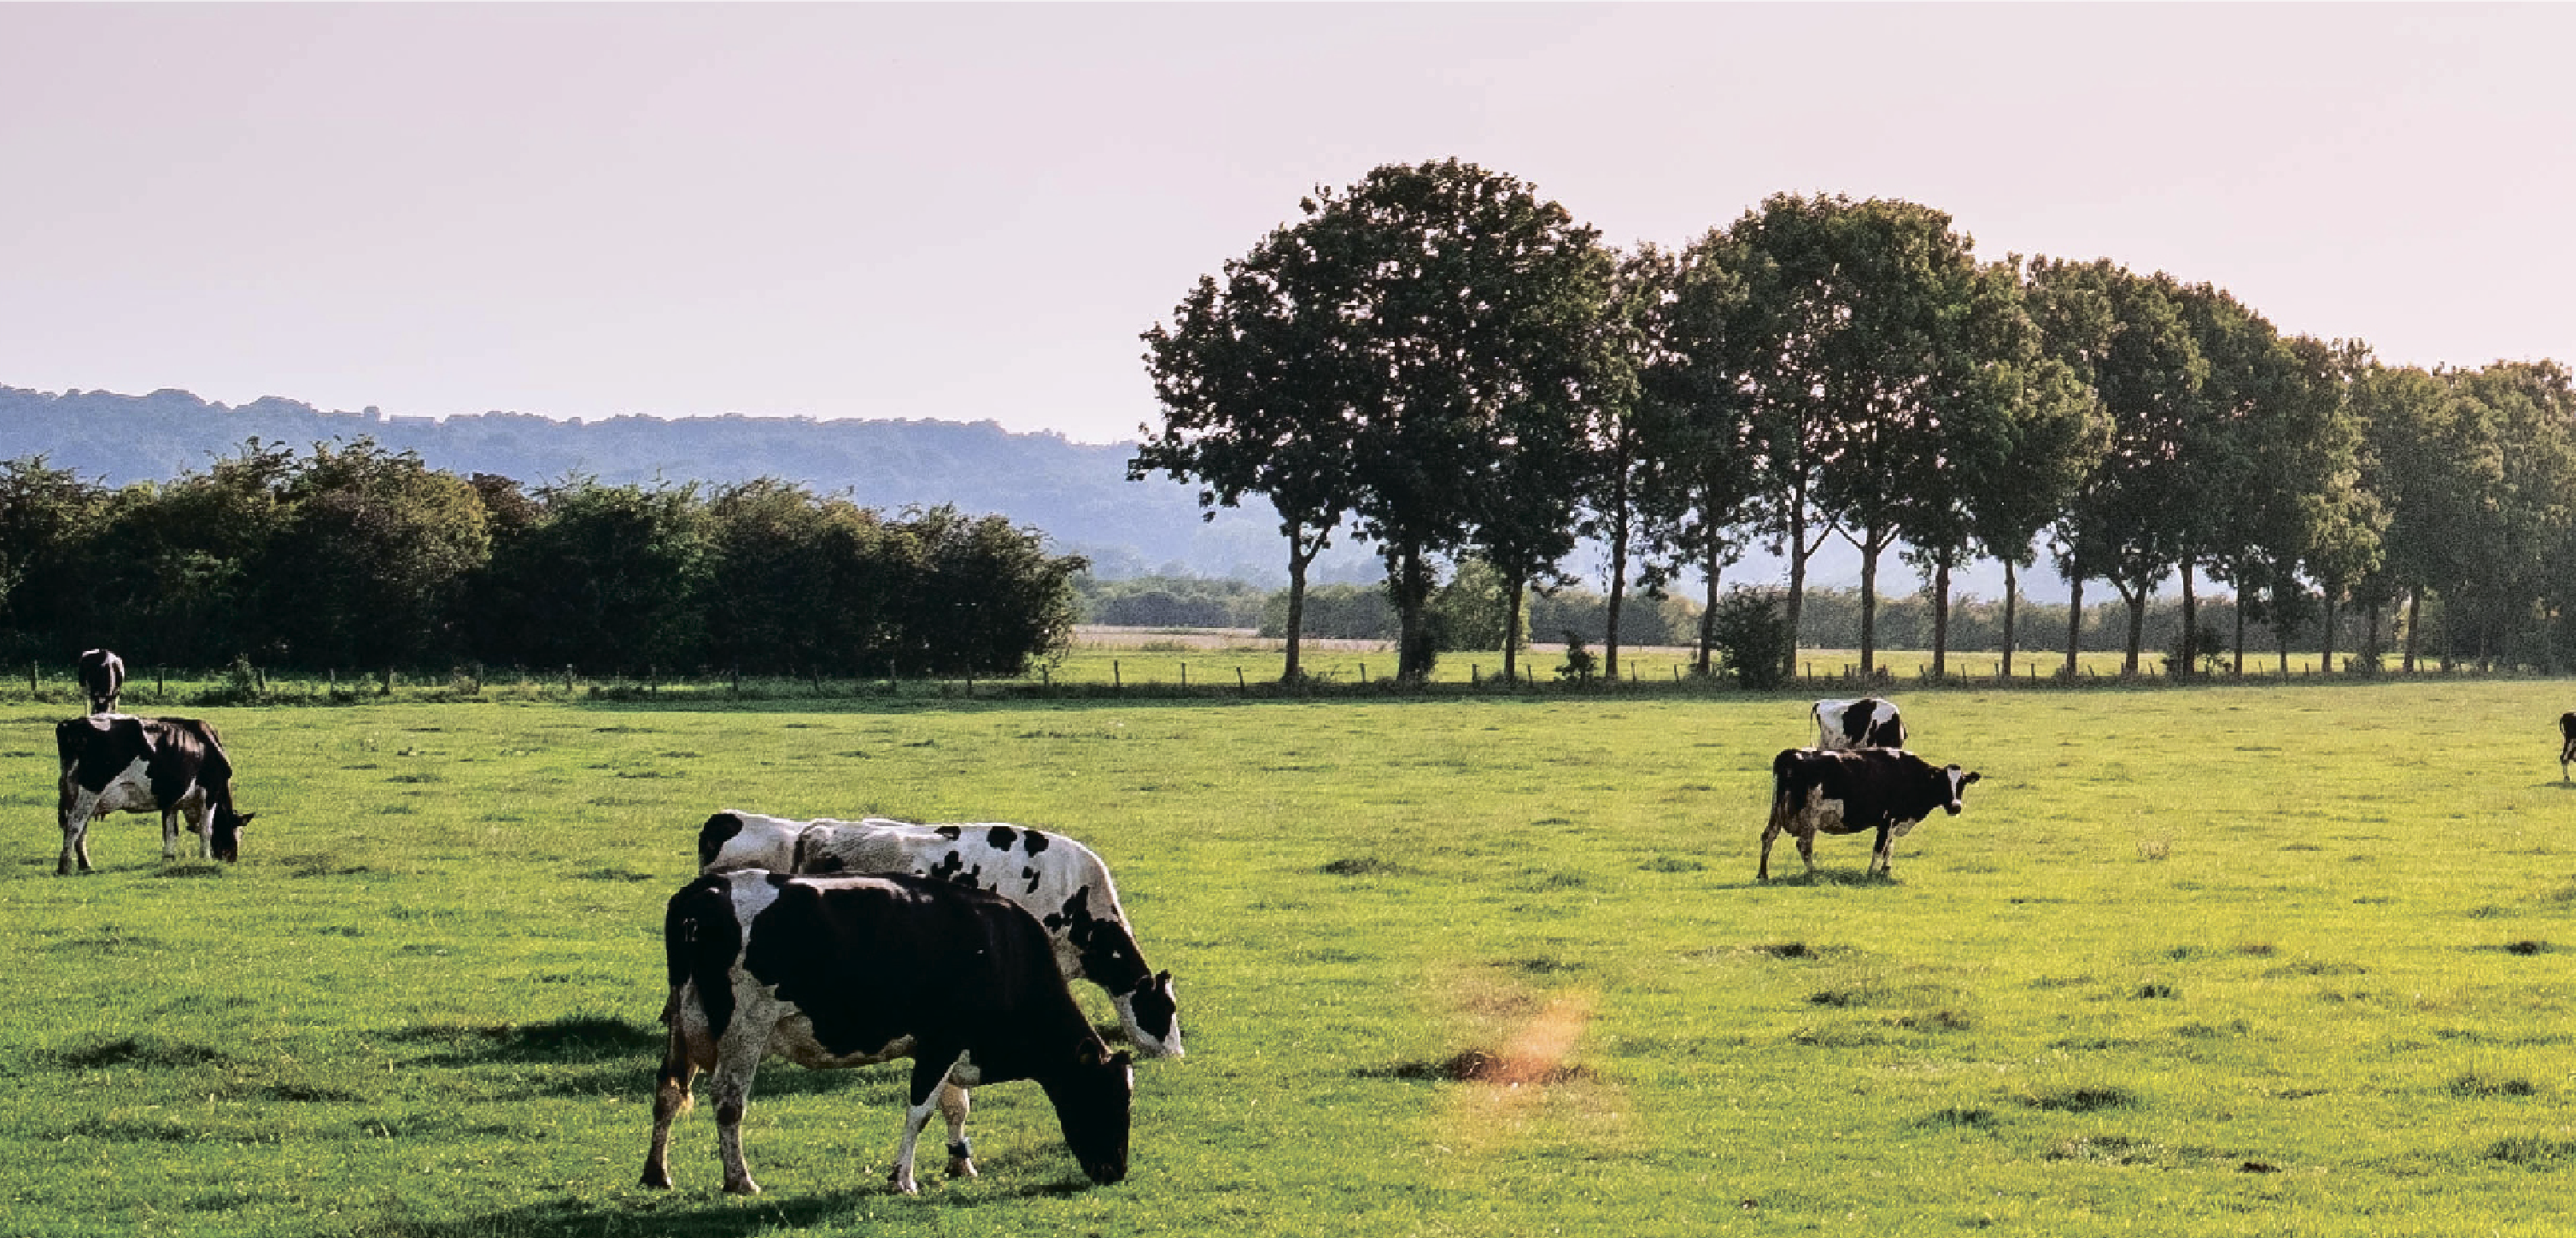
[[956, 969], [1001, 837], [952, 868], [827, 862], [1029, 875], [951, 833], [1034, 840], [1107, 950], [699, 942], [720, 829]]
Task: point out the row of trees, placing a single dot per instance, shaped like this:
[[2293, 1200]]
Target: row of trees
[[352, 556], [1450, 366]]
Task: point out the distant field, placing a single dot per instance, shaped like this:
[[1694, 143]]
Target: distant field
[[2210, 961]]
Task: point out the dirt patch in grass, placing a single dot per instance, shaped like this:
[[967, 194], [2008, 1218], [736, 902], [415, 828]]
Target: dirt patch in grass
[[1479, 1066], [1365, 866], [2083, 1100], [145, 1052]]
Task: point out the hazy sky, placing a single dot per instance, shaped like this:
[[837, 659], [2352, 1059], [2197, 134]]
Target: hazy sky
[[969, 211]]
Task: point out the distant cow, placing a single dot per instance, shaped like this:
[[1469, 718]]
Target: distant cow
[[172, 766], [1058, 880], [848, 971], [1815, 791], [102, 675], [2566, 748], [1868, 722]]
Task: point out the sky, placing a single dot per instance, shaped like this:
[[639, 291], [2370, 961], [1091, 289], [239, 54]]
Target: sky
[[969, 211]]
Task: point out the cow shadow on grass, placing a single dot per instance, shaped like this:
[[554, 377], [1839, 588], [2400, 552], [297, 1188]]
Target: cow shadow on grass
[[700, 1212], [592, 1055]]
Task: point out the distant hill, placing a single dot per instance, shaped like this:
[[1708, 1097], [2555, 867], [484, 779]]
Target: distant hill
[[1077, 493]]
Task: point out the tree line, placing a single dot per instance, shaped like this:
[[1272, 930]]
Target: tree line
[[1450, 368], [352, 556]]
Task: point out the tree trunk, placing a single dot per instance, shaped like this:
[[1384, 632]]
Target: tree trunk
[[2074, 623], [1797, 581], [2240, 633], [2191, 623], [2415, 623], [1868, 602], [1511, 631], [2370, 650], [1940, 618], [1618, 588], [1708, 615], [2329, 637], [2012, 598], [2137, 623], [1300, 557], [1411, 584]]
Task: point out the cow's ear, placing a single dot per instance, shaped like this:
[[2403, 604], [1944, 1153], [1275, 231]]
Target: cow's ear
[[1163, 977], [1123, 1060], [245, 818], [1972, 777], [1089, 1052]]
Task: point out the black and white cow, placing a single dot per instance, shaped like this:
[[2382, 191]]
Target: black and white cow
[[1814, 791], [848, 971], [1060, 881], [2567, 744], [1869, 722], [102, 675], [172, 766]]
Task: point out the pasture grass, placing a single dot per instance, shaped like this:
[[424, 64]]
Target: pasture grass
[[2225, 960]]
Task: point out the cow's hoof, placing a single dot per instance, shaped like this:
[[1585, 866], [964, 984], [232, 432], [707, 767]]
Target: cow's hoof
[[656, 1179], [961, 1167], [743, 1187], [902, 1186]]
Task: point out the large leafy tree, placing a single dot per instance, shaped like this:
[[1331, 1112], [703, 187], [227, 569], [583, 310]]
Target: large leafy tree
[[1417, 346], [2141, 509], [1252, 401], [1701, 471]]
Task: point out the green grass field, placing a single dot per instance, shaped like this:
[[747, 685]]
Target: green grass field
[[2227, 960]]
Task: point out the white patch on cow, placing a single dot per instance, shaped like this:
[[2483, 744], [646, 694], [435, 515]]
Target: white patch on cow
[[1043, 883]]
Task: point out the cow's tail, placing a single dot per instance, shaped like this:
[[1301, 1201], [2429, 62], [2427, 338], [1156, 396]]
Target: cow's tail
[[699, 943], [1782, 770]]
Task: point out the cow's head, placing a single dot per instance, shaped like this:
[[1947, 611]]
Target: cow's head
[[1092, 1102], [228, 828], [1958, 787], [1151, 1013]]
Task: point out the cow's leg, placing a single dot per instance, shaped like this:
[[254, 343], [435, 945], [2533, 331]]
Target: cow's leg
[[738, 1056], [670, 1100], [169, 835], [1807, 850], [1882, 858], [75, 842], [961, 1154], [929, 1076], [1769, 832]]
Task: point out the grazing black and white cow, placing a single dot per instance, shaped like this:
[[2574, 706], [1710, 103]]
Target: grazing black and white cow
[[102, 675], [1869, 722], [1814, 791], [848, 971], [172, 766], [2567, 746], [1060, 881]]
